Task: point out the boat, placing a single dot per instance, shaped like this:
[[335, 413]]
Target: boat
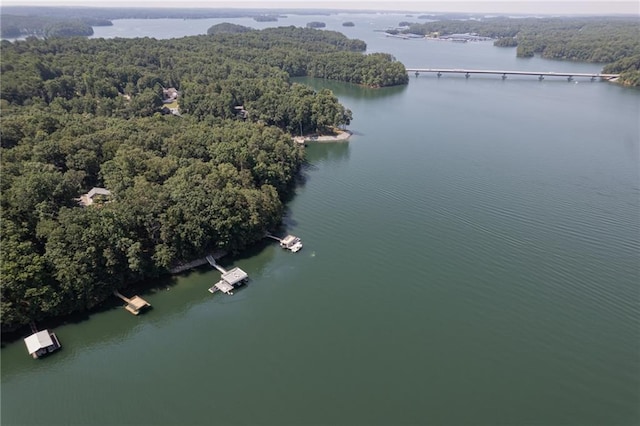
[[291, 242]]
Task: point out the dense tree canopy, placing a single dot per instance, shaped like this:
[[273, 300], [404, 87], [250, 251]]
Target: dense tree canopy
[[228, 28], [80, 113]]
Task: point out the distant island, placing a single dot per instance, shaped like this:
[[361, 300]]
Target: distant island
[[12, 26], [348, 24], [266, 18], [316, 24]]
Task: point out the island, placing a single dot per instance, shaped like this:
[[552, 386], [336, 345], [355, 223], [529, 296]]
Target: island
[[348, 24], [266, 18], [13, 26], [316, 24]]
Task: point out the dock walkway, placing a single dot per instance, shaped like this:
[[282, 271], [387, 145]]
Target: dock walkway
[[212, 262]]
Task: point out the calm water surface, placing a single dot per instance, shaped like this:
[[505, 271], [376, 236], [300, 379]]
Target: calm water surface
[[471, 257]]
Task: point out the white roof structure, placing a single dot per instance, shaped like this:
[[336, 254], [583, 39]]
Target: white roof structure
[[98, 191], [37, 341], [234, 276], [224, 287], [87, 199], [289, 241]]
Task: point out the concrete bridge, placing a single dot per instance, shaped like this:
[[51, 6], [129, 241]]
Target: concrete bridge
[[504, 73]]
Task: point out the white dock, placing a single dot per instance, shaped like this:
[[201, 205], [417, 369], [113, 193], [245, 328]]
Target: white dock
[[290, 242], [230, 279], [222, 286]]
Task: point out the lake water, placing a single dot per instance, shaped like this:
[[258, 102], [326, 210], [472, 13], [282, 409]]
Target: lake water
[[470, 257]]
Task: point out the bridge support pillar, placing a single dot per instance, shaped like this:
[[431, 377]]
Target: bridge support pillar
[[541, 78], [417, 73], [439, 74], [593, 78], [504, 76], [570, 78], [467, 75]]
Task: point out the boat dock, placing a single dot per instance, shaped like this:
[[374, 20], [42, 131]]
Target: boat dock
[[290, 242], [41, 343], [229, 279], [135, 304]]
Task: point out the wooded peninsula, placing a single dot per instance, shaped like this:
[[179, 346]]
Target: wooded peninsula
[[84, 113]]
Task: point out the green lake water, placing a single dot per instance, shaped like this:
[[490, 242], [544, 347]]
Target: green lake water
[[471, 257]]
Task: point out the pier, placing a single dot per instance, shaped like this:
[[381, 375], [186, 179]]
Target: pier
[[290, 242], [504, 73], [229, 279], [135, 304]]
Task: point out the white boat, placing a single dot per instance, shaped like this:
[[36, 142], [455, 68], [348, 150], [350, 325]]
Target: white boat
[[291, 242]]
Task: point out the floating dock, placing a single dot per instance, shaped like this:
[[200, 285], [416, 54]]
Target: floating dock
[[229, 279], [135, 304], [290, 242]]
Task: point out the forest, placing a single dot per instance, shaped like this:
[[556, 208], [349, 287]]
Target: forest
[[80, 113], [614, 41]]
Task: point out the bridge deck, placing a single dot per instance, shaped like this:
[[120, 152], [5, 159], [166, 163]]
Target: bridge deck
[[512, 72]]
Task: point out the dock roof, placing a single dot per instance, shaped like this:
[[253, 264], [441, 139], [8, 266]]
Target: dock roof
[[38, 341], [138, 302], [224, 286], [234, 276]]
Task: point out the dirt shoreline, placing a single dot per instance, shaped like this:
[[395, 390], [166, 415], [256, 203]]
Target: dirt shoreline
[[343, 136]]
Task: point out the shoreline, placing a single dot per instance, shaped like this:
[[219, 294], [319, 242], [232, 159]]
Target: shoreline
[[343, 136], [17, 333], [196, 263]]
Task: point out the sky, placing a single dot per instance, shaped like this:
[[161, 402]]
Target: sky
[[483, 6]]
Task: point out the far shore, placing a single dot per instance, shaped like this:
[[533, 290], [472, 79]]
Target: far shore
[[342, 136]]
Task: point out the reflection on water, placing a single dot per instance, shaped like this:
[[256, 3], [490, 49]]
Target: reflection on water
[[316, 153], [353, 91]]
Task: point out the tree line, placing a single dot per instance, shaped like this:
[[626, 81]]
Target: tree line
[[79, 113], [607, 40]]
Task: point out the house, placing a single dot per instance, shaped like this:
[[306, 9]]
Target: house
[[241, 112], [88, 198], [41, 343], [169, 95]]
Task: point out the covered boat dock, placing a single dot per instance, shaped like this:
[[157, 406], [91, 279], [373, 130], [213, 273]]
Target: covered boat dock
[[42, 343]]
